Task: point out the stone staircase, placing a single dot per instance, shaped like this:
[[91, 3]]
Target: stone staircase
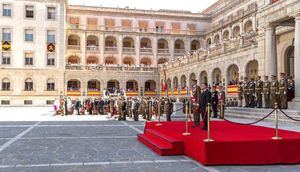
[[258, 113]]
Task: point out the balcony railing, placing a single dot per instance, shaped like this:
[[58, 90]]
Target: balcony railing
[[136, 29], [100, 67], [74, 47], [179, 51], [128, 50], [92, 48], [111, 49], [163, 51], [145, 50]]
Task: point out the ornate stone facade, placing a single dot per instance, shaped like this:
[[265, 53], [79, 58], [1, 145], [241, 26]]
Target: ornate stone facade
[[97, 48]]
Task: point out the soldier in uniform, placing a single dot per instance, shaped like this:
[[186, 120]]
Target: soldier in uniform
[[283, 87], [136, 105], [240, 93], [214, 101], [168, 108], [251, 91], [266, 91], [196, 92], [119, 108], [259, 91], [222, 98], [273, 91], [245, 91]]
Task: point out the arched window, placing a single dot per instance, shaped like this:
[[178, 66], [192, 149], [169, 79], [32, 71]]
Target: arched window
[[28, 84], [50, 85], [5, 84]]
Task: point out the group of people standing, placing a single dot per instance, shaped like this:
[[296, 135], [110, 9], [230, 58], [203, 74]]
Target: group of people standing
[[202, 97], [118, 107], [264, 94]]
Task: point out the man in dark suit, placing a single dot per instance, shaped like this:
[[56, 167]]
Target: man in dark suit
[[205, 98]]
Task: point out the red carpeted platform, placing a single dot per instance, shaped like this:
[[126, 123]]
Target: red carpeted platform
[[234, 144]]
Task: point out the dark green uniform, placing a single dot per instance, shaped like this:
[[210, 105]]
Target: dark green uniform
[[251, 94], [283, 86], [273, 92], [259, 92], [266, 91], [240, 94], [246, 93]]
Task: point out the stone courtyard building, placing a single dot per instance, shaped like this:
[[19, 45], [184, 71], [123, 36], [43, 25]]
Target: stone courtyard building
[[53, 48]]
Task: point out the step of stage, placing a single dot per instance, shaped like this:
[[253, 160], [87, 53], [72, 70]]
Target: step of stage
[[161, 143], [258, 113]]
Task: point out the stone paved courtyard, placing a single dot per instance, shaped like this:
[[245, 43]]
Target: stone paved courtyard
[[105, 145]]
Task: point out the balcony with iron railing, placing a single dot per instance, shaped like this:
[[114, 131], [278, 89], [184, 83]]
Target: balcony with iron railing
[[73, 47], [179, 51], [146, 50], [234, 45], [92, 48], [111, 49], [128, 50], [163, 51], [135, 29], [111, 67]]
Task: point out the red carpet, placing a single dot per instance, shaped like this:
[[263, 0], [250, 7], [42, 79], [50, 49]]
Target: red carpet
[[234, 144]]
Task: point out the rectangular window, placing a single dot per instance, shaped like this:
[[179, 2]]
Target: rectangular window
[[28, 35], [29, 59], [50, 36], [29, 11], [49, 102], [176, 28], [50, 59], [28, 85], [5, 86], [28, 102], [50, 86], [126, 24], [51, 13], [6, 34], [74, 22], [6, 10], [5, 102], [191, 28], [143, 26], [159, 27], [109, 23], [5, 58]]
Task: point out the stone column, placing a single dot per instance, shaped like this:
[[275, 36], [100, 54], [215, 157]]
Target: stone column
[[270, 51], [83, 48], [296, 102], [101, 48], [120, 49]]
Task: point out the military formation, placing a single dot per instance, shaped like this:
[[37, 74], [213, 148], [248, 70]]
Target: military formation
[[119, 107], [266, 93]]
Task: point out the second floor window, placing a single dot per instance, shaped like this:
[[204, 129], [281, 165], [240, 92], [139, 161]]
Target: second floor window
[[6, 10], [5, 58], [50, 59], [6, 34], [5, 84], [50, 85], [28, 59], [50, 36], [28, 35], [29, 11], [28, 85], [51, 13]]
